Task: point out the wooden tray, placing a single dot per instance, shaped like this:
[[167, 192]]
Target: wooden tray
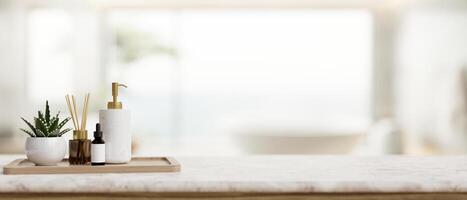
[[136, 165]]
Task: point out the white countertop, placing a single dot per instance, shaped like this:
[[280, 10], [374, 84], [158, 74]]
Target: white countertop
[[265, 174]]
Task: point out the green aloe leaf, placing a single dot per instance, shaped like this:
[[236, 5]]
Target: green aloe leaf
[[47, 112], [53, 124], [64, 131], [54, 133], [28, 132], [40, 115], [63, 123], [30, 125], [42, 121], [40, 126], [40, 134]]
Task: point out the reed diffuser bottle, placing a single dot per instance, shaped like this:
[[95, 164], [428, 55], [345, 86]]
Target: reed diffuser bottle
[[80, 146]]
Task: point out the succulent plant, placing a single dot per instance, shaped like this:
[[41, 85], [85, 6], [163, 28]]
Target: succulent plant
[[45, 125]]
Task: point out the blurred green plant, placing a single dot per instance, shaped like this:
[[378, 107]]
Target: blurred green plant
[[133, 44], [46, 126]]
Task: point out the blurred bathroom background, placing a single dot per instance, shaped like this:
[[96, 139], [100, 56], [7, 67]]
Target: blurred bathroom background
[[230, 77]]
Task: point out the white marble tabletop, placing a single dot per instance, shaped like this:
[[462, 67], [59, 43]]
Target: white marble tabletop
[[265, 174]]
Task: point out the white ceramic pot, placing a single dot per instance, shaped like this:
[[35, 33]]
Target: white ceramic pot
[[45, 151]]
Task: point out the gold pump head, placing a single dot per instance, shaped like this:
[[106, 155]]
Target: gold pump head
[[114, 104]]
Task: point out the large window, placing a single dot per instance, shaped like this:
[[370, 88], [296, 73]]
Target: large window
[[202, 71]]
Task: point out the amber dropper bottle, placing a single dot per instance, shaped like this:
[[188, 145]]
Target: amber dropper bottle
[[98, 147]]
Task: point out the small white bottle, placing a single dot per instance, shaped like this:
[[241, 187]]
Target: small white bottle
[[98, 147], [115, 123]]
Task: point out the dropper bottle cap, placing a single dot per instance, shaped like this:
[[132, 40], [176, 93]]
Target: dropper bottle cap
[[115, 104], [98, 132]]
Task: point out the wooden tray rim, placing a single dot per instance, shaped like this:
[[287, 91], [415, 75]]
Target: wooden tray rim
[[13, 167]]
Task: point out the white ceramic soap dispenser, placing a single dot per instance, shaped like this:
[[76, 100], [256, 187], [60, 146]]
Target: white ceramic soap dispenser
[[115, 123]]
